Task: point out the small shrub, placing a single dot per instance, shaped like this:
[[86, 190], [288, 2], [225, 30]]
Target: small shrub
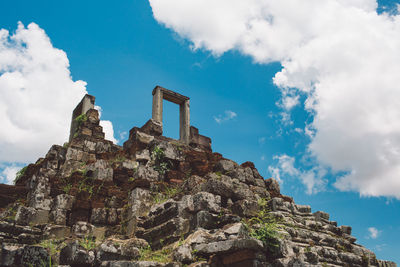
[[160, 164], [87, 243], [67, 188], [265, 228], [20, 173], [80, 119]]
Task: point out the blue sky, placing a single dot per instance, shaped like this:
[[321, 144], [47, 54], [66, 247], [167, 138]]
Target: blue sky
[[122, 51]]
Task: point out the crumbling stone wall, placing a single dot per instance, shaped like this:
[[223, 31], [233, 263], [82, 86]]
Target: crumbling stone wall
[[156, 201]]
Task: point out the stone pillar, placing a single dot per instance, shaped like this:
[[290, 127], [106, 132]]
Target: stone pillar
[[86, 103], [157, 105], [184, 127]]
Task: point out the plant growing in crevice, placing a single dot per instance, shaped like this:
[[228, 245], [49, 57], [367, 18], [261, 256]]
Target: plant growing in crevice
[[67, 188], [161, 165], [169, 192], [161, 256], [265, 227], [20, 173], [87, 242]]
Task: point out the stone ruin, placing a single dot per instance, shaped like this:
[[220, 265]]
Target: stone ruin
[[156, 202]]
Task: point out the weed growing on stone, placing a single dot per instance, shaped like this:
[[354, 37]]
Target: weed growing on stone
[[196, 257], [20, 173], [160, 164], [80, 119], [265, 228], [169, 192], [161, 256], [67, 188], [87, 242]]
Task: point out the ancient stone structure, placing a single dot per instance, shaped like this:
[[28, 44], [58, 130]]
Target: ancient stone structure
[[160, 93], [159, 202], [86, 103]]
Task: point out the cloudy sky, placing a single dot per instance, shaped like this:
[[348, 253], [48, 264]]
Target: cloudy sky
[[306, 89]]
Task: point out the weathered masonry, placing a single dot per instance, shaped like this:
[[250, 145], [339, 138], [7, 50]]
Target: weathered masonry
[[86, 103], [159, 94], [188, 134]]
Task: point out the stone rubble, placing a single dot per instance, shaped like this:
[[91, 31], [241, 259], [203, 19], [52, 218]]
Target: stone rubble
[[158, 202]]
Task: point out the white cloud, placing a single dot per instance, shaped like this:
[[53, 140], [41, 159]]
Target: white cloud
[[37, 94], [228, 115], [8, 174], [340, 54], [373, 232], [285, 167]]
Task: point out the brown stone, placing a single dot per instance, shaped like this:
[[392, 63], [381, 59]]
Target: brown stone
[[238, 256]]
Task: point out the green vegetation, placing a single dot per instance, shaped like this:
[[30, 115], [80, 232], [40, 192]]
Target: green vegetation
[[265, 228], [80, 119], [53, 247], [87, 243], [169, 192], [160, 163], [161, 256], [20, 173], [196, 257]]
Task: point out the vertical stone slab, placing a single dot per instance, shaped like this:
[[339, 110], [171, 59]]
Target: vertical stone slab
[[157, 104], [86, 103], [184, 127]]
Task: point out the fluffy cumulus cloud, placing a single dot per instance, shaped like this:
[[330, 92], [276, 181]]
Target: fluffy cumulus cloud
[[37, 95], [341, 55], [373, 233], [8, 174], [285, 167], [228, 115]]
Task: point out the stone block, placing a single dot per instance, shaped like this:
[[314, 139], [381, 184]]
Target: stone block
[[82, 229], [245, 208], [206, 201], [152, 127], [56, 231], [229, 246], [28, 215], [321, 215], [346, 229], [272, 186], [225, 166]]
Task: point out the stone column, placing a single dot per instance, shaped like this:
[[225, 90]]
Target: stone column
[[184, 127], [157, 105], [86, 103]]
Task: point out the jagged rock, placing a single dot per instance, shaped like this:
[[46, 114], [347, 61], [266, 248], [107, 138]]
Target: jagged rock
[[101, 170], [321, 215], [56, 231], [225, 166], [152, 127], [73, 254], [115, 250], [245, 208], [228, 246], [136, 264], [82, 229], [222, 186], [272, 186], [206, 201], [27, 215], [183, 254], [346, 229]]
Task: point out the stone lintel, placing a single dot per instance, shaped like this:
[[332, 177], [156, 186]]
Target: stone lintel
[[170, 95]]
